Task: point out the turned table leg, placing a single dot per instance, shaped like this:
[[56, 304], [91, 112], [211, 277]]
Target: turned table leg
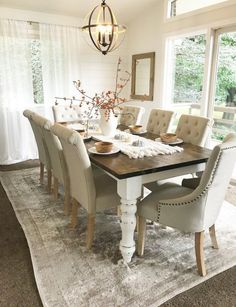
[[130, 190]]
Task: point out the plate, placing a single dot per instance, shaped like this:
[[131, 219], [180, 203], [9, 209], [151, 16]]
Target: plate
[[94, 151], [177, 142], [138, 133]]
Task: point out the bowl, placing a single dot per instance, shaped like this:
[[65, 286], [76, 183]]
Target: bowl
[[62, 123], [103, 147], [136, 128], [168, 137]]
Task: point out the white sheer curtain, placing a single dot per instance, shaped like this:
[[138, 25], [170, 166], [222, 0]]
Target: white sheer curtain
[[16, 93], [59, 56], [60, 60]]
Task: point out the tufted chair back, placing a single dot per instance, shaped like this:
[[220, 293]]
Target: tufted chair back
[[82, 187], [159, 121], [54, 148], [199, 209], [193, 129], [42, 150], [216, 178], [131, 115], [65, 113]]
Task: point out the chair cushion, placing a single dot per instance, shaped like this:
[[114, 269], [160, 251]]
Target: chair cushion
[[106, 192], [159, 121], [131, 115], [193, 129], [65, 113], [148, 208], [191, 183]]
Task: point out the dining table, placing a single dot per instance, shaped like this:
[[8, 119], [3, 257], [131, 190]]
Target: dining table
[[132, 174]]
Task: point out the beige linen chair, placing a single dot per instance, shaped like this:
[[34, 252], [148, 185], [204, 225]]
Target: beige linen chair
[[192, 210], [131, 115], [44, 157], [59, 170], [159, 121], [94, 193], [193, 129], [65, 113]]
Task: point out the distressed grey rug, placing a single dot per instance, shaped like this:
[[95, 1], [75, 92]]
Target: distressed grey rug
[[68, 275]]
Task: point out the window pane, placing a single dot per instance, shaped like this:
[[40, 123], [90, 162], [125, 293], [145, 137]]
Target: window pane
[[178, 7], [35, 48], [187, 74], [225, 96]]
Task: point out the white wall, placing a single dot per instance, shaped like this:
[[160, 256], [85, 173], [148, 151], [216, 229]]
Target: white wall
[[148, 32]]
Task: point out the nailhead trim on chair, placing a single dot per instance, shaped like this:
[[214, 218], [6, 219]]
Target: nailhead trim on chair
[[203, 191]]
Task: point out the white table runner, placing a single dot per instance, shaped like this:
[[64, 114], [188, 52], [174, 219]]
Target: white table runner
[[150, 148]]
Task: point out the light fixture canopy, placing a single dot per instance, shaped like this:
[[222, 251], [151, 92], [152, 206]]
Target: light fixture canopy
[[104, 32]]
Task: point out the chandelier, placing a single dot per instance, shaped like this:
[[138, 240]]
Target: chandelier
[[104, 32]]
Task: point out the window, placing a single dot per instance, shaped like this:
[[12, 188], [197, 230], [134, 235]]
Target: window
[[224, 98], [36, 64], [179, 7], [185, 74]]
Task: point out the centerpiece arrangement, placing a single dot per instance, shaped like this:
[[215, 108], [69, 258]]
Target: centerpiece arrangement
[[106, 104]]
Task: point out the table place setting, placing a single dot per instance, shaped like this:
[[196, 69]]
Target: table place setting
[[136, 146]]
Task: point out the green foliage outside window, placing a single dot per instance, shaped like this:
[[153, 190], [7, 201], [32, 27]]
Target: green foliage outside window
[[36, 64]]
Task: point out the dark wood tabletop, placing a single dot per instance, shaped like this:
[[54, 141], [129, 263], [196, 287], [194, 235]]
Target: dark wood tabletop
[[121, 166]]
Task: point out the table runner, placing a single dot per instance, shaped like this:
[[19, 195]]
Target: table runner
[[150, 148]]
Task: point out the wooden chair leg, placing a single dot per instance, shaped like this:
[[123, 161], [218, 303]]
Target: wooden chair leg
[[41, 172], [67, 202], [49, 172], [55, 188], [137, 224], [118, 211], [90, 230], [199, 242], [212, 232], [141, 234], [74, 213]]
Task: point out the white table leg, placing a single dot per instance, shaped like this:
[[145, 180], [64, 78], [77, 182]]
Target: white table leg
[[130, 190]]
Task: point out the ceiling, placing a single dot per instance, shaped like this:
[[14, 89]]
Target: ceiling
[[125, 10]]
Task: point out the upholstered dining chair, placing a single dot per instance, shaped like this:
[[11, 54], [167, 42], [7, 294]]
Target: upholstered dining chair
[[192, 208], [94, 193], [58, 164], [131, 115], [193, 129], [159, 121], [44, 157], [65, 113]]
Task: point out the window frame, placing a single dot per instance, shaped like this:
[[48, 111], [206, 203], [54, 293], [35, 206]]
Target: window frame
[[194, 12]]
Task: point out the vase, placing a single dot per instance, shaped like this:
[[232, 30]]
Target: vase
[[108, 123]]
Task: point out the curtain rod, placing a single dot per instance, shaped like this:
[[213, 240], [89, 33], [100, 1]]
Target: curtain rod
[[30, 22]]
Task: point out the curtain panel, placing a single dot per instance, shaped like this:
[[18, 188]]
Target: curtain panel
[[16, 93], [59, 60], [60, 64]]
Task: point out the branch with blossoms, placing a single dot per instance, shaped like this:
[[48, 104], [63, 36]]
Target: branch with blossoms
[[107, 100]]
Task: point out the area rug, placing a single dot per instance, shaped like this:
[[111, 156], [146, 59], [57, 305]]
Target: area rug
[[69, 275]]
